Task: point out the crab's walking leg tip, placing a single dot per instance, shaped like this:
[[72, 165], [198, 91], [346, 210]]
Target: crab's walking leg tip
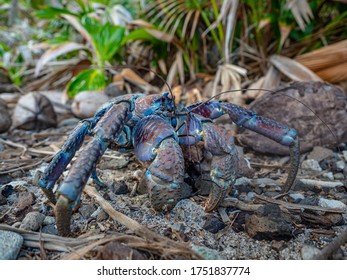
[[63, 215], [294, 150]]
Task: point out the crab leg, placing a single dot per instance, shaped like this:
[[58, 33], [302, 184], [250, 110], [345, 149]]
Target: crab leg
[[156, 143], [70, 191], [262, 125], [47, 179]]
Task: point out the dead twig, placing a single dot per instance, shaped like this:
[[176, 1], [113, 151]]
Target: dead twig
[[299, 207], [332, 247], [160, 245]]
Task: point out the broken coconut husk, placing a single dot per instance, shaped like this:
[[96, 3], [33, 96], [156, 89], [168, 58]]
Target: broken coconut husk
[[34, 112], [325, 127]]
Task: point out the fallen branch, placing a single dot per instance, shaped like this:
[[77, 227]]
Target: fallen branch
[[323, 184]]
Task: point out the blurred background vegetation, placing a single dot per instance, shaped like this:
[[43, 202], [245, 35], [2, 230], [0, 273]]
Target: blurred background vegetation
[[214, 45]]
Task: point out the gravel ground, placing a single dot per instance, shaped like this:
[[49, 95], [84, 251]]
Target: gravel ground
[[231, 232]]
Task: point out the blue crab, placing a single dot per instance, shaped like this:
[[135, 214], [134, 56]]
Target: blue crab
[[158, 131]]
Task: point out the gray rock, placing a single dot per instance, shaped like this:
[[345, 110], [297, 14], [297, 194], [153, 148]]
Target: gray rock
[[320, 153], [114, 163], [86, 210], [207, 253], [345, 155], [339, 176], [297, 196], [3, 200], [50, 229], [69, 122], [250, 196], [269, 223], [331, 203], [32, 221], [48, 220], [263, 182], [328, 175], [311, 164], [10, 244], [340, 165], [213, 224], [119, 187], [308, 252], [102, 216]]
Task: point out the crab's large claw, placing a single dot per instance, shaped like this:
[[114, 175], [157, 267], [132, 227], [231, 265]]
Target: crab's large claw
[[264, 126], [107, 129], [273, 130], [156, 143]]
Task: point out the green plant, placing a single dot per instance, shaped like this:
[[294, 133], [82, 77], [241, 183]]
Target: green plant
[[103, 40]]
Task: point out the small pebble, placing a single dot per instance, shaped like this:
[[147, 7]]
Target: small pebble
[[207, 253], [32, 221], [3, 200], [50, 229], [213, 224], [308, 252], [102, 216], [319, 153], [297, 196], [250, 196], [311, 164], [331, 203], [69, 122], [340, 165], [345, 155], [328, 175], [339, 176], [120, 187], [48, 220], [86, 210], [10, 244]]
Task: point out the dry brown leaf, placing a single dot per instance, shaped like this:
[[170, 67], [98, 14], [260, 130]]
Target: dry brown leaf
[[132, 77], [54, 52], [334, 74], [293, 69], [160, 35], [301, 11], [325, 57]]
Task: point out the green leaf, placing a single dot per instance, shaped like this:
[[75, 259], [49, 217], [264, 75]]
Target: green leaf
[[52, 12], [90, 79], [107, 38]]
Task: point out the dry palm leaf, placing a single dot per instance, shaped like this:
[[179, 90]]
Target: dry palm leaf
[[333, 57], [334, 74], [301, 11], [56, 51], [293, 69], [270, 81], [325, 56], [229, 76], [177, 67]]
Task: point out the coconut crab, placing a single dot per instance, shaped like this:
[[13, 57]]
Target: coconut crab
[[158, 131]]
